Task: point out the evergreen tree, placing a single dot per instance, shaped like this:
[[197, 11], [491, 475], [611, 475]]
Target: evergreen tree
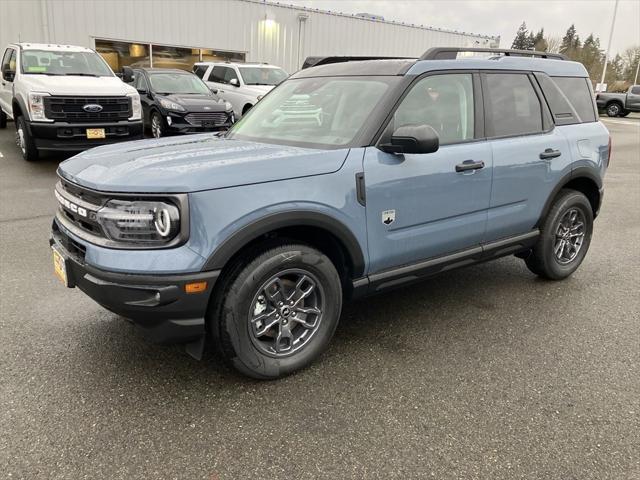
[[521, 41], [539, 42], [570, 45]]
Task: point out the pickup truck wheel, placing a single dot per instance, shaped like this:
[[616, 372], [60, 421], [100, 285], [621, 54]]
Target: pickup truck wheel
[[614, 109], [277, 311], [157, 125], [25, 141], [3, 119], [564, 238]]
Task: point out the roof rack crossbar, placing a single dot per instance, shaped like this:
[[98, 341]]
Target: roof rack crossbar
[[451, 53]]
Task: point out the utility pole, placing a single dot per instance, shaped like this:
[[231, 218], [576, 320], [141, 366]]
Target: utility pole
[[635, 81], [606, 56]]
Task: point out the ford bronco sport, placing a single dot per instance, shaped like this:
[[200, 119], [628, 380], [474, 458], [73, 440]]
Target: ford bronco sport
[[347, 179]]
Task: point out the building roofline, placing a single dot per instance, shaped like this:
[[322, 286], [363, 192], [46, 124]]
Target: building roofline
[[366, 19]]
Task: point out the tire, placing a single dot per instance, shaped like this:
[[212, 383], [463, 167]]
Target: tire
[[253, 308], [3, 119], [25, 142], [157, 127], [625, 113], [614, 109], [562, 224]]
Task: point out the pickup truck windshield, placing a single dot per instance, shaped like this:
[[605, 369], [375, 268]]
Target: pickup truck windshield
[[47, 62], [262, 75], [321, 112], [182, 83]]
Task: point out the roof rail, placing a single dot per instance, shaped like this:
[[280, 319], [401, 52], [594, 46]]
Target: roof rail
[[451, 53], [316, 61]]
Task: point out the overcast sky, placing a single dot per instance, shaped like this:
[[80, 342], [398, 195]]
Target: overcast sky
[[503, 17]]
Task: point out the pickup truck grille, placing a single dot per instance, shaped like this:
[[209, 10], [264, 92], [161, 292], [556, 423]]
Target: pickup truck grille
[[196, 119], [72, 109]]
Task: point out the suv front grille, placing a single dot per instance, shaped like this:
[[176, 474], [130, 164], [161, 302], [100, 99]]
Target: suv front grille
[[79, 207], [71, 109], [196, 119]]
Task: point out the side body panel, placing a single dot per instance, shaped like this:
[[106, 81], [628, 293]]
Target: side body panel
[[589, 145], [437, 210], [633, 99]]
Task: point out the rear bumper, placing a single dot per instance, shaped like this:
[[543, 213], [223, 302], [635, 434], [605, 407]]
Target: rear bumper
[[72, 136], [157, 303]]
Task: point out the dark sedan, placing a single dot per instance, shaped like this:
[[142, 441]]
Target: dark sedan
[[175, 101]]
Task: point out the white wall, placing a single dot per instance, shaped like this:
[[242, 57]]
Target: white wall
[[267, 32]]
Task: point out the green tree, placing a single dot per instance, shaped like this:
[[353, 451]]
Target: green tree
[[570, 45], [521, 40], [539, 42], [591, 57], [630, 60]]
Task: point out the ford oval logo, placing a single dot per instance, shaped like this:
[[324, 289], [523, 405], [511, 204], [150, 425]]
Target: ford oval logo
[[92, 108]]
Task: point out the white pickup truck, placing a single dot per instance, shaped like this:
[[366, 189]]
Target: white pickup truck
[[63, 97]]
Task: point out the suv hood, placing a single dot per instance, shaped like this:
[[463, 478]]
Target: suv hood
[[196, 103], [194, 163], [76, 85]]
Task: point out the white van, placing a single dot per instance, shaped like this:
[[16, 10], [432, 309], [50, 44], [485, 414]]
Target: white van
[[240, 84], [63, 97]]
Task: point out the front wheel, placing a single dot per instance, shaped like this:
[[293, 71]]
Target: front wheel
[[614, 109], [25, 142], [157, 125], [277, 311], [564, 238]]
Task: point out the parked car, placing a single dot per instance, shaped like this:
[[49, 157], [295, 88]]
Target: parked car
[[620, 104], [347, 180], [64, 97], [241, 84], [175, 101]]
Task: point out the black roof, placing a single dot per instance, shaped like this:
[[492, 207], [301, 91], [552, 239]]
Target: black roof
[[162, 70], [358, 67]]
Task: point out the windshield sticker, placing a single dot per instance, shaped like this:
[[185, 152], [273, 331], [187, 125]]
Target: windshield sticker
[[37, 69]]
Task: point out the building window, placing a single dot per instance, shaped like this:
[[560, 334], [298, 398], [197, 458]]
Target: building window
[[134, 54], [121, 54]]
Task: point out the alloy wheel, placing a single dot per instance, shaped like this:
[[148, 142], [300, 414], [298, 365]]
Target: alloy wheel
[[569, 238], [286, 312], [20, 140], [156, 127], [613, 110]]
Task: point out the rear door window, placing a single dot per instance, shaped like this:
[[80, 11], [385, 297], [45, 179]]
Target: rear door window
[[200, 70], [635, 90], [512, 105], [578, 92]]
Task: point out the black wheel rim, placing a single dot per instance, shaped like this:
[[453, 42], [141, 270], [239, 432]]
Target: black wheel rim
[[286, 312], [570, 233]]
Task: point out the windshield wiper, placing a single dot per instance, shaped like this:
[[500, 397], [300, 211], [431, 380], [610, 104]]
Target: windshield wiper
[[268, 84], [82, 74]]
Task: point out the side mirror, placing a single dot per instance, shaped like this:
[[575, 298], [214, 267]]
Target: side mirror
[[413, 139], [8, 75], [214, 91], [127, 74], [235, 82]]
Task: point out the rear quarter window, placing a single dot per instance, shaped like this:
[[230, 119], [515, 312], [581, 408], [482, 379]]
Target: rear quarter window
[[578, 92]]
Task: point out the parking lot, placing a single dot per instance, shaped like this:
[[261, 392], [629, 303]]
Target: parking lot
[[487, 372]]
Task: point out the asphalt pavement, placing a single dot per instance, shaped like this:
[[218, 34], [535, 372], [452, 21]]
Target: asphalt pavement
[[481, 373]]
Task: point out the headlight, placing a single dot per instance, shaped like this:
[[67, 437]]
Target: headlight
[[144, 222], [228, 106], [36, 106], [136, 107], [169, 105]]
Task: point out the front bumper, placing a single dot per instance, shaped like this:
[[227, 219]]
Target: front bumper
[[65, 136], [157, 303]]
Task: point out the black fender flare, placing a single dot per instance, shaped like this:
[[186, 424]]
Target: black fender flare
[[580, 172], [23, 108], [234, 243]]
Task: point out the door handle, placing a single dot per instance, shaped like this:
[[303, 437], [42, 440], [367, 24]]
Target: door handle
[[550, 153], [469, 165]]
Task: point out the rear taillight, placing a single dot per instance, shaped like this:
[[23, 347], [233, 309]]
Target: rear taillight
[[609, 154]]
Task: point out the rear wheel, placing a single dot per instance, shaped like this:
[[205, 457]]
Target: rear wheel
[[25, 142], [277, 311], [614, 109], [564, 238], [157, 125]]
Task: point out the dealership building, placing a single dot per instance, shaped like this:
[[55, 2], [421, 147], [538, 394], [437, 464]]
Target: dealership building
[[178, 33]]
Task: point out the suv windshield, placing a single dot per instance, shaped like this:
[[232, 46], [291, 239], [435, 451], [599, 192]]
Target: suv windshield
[[181, 83], [314, 112], [262, 75], [47, 62]]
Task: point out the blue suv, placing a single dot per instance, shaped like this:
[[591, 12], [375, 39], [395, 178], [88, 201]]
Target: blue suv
[[349, 178]]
